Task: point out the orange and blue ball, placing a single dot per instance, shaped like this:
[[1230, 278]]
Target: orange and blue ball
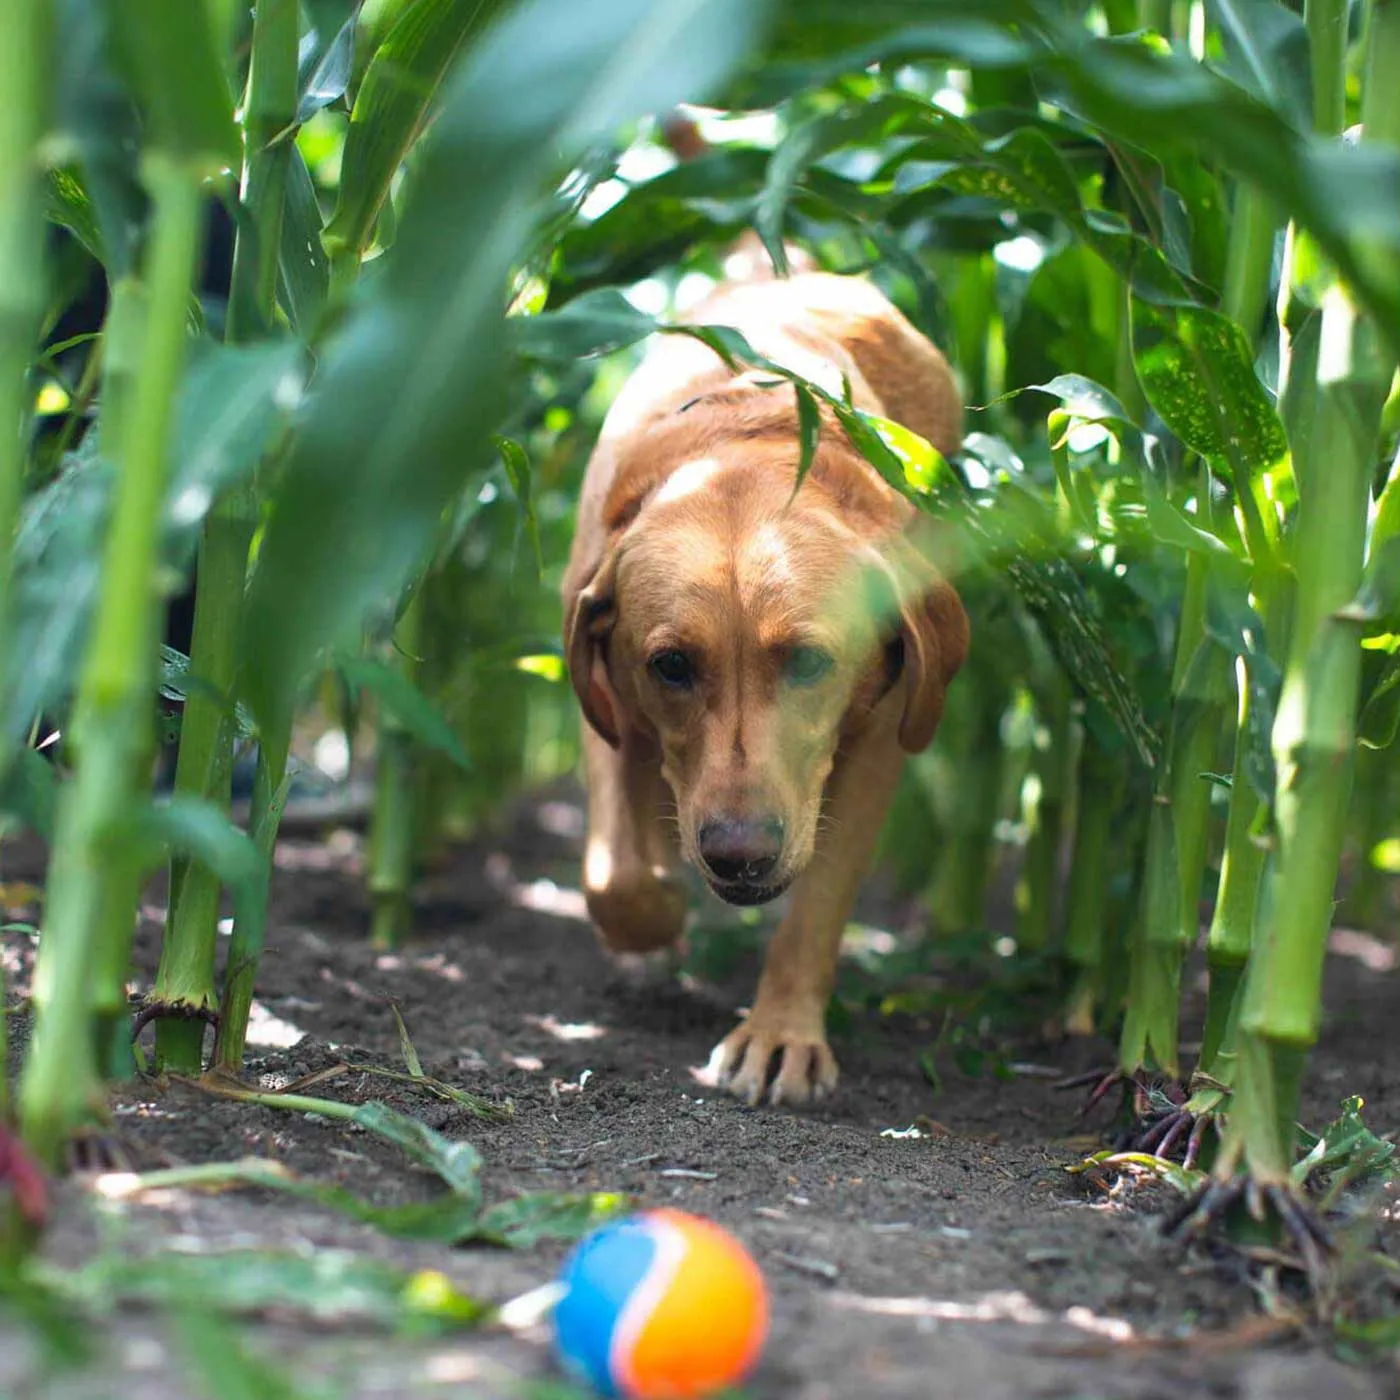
[[661, 1306]]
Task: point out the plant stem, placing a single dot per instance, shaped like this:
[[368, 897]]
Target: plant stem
[[394, 844], [1372, 813], [250, 926], [1243, 298], [267, 135], [1314, 735], [1156, 14], [958, 892], [1242, 863], [185, 979], [1086, 901], [1314, 732], [1249, 260], [186, 976], [1168, 920], [1327, 41], [112, 713], [24, 73]]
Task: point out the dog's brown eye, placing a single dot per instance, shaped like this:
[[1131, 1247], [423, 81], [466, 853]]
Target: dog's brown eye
[[673, 668], [807, 665]]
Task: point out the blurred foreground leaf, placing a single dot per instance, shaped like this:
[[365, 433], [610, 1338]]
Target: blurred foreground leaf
[[232, 402], [407, 394], [393, 105], [226, 1368], [328, 1285], [517, 1223], [28, 788], [406, 703]]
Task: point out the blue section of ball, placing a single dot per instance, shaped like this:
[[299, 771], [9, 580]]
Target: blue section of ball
[[600, 1275]]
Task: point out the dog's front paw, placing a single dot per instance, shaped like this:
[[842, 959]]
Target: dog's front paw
[[787, 1058]]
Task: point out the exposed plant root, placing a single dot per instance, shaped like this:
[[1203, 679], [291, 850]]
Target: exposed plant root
[[171, 1011], [1209, 1205], [1103, 1082]]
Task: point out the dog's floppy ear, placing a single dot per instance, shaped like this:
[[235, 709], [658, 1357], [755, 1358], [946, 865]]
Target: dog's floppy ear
[[932, 638], [588, 627]]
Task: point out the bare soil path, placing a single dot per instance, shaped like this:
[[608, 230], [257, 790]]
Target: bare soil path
[[956, 1259]]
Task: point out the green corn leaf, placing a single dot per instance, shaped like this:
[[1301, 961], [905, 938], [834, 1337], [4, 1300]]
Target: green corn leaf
[[923, 466], [457, 1163], [408, 392], [193, 827], [394, 103], [232, 402], [96, 120], [226, 1368], [806, 144], [1346, 196], [1197, 370], [809, 431], [817, 41], [176, 683], [328, 1285], [1233, 624], [1380, 713], [302, 270], [557, 1216], [1346, 1149], [595, 323], [408, 705], [28, 790], [69, 206], [1025, 170], [705, 201], [521, 1222], [329, 17], [325, 63], [517, 465], [1085, 402], [1266, 53], [1378, 599], [57, 565], [171, 61]]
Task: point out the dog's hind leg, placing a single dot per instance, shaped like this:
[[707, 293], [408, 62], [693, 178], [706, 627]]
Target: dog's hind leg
[[630, 866], [780, 1048]]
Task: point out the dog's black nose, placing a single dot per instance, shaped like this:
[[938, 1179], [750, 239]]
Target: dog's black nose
[[741, 851]]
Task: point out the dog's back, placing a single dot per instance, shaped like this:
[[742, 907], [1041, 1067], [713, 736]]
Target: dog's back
[[836, 331]]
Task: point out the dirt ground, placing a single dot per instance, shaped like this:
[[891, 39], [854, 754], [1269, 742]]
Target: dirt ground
[[958, 1258]]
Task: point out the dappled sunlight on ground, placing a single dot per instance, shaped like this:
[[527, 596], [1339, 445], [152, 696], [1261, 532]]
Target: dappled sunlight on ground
[[1008, 1306]]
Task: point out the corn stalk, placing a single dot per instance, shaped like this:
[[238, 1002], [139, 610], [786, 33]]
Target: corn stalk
[[1314, 736], [185, 981], [24, 72], [112, 719]]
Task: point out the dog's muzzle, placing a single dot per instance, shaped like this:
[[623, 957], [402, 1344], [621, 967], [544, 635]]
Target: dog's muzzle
[[739, 856], [746, 895]]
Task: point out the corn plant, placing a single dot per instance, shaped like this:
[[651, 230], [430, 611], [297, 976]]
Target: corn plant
[[1172, 292], [209, 447]]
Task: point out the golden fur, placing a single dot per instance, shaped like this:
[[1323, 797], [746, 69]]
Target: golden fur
[[692, 543]]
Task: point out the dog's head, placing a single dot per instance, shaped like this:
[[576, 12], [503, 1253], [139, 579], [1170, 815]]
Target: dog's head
[[746, 632]]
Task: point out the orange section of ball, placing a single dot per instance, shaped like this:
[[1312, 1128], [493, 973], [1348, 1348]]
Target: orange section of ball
[[709, 1327]]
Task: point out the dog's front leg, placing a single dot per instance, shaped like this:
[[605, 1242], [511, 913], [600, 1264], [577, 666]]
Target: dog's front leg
[[630, 880], [788, 1020]]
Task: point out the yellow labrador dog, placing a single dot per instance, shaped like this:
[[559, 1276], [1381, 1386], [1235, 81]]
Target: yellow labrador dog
[[754, 662]]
